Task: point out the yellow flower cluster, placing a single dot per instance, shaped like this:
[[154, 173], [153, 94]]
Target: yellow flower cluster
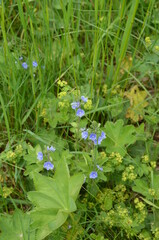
[[123, 212], [140, 217], [148, 40], [129, 174], [120, 194], [116, 89], [103, 155], [62, 94], [109, 218], [19, 149], [88, 105], [153, 164], [76, 93], [145, 159], [11, 155], [138, 204], [104, 89], [124, 215], [62, 83], [7, 191], [120, 187], [152, 192], [117, 157], [64, 104], [43, 112]]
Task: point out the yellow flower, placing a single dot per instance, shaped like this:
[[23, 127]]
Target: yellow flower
[[88, 105]]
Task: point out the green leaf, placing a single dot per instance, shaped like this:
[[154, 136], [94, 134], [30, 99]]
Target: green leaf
[[108, 203], [54, 198], [59, 4], [119, 137], [141, 186], [16, 227]]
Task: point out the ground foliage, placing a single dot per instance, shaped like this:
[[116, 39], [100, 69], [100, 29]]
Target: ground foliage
[[79, 120]]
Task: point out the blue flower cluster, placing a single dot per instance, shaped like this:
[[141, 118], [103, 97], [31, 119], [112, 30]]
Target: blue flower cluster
[[76, 105], [93, 136], [25, 65], [47, 165]]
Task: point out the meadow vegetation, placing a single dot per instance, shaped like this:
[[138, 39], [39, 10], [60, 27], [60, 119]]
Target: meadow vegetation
[[79, 119]]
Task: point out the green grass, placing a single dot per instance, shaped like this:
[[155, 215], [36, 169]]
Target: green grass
[[89, 39]]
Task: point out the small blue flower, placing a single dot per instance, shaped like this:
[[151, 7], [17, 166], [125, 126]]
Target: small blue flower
[[93, 175], [24, 65], [100, 139], [48, 166], [100, 168], [84, 99], [95, 142], [80, 113], [35, 64], [75, 105], [93, 137], [40, 156], [52, 149], [103, 135], [21, 58], [85, 135]]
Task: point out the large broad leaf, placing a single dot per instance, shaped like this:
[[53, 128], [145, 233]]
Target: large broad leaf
[[16, 227], [54, 199], [119, 136]]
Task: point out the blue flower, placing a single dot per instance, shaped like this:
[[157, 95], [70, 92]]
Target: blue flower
[[48, 166], [75, 105], [93, 175], [24, 65], [93, 137], [52, 149], [35, 64], [95, 142], [100, 168], [100, 139], [80, 113], [40, 156], [103, 135], [85, 135], [84, 99], [21, 58]]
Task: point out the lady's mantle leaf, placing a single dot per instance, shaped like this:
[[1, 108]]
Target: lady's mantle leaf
[[54, 198], [16, 227], [119, 136]]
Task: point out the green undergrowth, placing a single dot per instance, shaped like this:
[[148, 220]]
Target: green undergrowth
[[79, 97]]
